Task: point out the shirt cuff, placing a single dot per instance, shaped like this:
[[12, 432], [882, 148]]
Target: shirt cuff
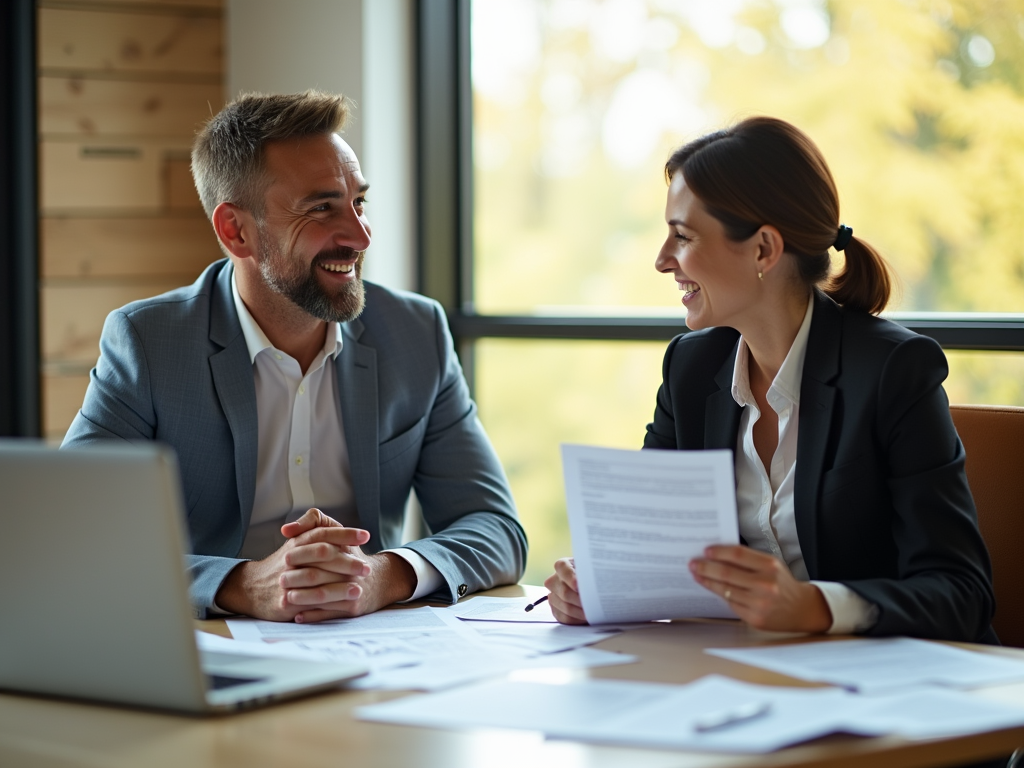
[[428, 578], [851, 613]]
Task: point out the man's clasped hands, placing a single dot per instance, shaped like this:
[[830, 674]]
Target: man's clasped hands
[[320, 573]]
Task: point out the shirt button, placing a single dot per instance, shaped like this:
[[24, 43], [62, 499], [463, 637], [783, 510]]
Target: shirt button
[[463, 589], [277, 356], [298, 459], [302, 390]]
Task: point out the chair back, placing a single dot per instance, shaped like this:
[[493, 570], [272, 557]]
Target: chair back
[[993, 437]]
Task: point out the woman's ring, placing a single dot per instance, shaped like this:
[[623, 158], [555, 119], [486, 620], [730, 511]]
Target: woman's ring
[[728, 594]]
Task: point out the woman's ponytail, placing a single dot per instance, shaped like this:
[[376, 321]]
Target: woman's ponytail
[[865, 282]]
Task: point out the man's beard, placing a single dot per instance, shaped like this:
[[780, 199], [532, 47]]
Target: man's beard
[[305, 290]]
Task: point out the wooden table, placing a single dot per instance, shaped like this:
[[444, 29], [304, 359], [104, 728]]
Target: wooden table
[[320, 731]]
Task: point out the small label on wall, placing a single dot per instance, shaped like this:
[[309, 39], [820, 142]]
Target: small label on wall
[[112, 153]]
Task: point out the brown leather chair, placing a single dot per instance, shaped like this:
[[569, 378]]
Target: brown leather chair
[[993, 436]]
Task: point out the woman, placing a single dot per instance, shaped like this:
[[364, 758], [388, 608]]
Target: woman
[[853, 503]]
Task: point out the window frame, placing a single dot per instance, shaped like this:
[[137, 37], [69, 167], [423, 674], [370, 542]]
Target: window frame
[[445, 202], [20, 411]]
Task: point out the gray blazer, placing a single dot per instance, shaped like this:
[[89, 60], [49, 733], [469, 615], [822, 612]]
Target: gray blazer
[[175, 368]]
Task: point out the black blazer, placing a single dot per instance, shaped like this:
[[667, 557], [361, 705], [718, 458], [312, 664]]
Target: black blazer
[[881, 498]]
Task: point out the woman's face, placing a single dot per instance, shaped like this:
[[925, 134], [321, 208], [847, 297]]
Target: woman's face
[[718, 277]]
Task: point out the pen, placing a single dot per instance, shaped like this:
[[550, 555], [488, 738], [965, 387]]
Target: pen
[[531, 606], [728, 717]]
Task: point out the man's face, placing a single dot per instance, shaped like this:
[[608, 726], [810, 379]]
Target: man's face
[[314, 232]]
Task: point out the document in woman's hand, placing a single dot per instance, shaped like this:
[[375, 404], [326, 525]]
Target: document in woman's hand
[[636, 519]]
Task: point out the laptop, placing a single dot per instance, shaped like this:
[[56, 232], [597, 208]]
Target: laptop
[[93, 590]]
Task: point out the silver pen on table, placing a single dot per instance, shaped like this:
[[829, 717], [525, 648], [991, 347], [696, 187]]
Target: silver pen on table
[[732, 716]]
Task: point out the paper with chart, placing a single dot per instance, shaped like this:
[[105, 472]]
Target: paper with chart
[[376, 653], [423, 648], [423, 626], [636, 519], [386, 640]]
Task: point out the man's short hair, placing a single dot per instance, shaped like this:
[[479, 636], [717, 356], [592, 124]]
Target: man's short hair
[[228, 154]]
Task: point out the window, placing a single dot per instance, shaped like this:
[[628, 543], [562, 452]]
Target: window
[[565, 113]]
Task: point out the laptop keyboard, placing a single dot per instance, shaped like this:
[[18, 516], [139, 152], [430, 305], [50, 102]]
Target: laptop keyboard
[[219, 682]]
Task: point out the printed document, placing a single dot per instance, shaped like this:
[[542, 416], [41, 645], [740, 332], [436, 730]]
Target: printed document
[[871, 665], [637, 518], [424, 648], [509, 609], [412, 622], [753, 718]]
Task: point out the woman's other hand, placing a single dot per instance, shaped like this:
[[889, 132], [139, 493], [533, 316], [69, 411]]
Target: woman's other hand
[[565, 593], [761, 590]]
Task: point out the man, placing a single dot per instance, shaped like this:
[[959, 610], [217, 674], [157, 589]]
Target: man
[[302, 402]]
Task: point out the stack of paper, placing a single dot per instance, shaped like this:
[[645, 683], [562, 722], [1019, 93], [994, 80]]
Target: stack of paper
[[911, 682], [425, 648], [750, 718]]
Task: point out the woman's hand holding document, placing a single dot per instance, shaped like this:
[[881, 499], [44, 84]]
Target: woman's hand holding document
[[637, 518]]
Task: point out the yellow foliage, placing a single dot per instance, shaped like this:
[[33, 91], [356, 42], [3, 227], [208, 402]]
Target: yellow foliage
[[917, 104]]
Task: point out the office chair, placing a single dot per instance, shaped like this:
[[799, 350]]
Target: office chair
[[993, 436]]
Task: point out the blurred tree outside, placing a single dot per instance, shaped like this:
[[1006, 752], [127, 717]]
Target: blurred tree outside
[[918, 105]]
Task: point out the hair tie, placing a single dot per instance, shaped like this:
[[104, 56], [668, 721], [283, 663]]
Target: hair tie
[[843, 238]]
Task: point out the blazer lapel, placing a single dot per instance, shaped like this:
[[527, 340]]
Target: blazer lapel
[[722, 413], [236, 389], [817, 401], [356, 368]]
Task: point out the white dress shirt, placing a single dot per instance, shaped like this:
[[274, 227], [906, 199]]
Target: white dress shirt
[[765, 498], [302, 457]]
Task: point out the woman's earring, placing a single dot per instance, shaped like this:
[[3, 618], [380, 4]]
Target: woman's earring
[[760, 275]]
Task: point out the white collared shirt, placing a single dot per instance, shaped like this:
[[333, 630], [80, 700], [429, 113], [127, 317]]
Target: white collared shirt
[[764, 498], [302, 457]]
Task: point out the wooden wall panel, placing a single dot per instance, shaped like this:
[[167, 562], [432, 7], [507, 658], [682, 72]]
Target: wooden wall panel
[[73, 317], [180, 192], [184, 5], [124, 85], [84, 107], [62, 397], [100, 175], [83, 40], [179, 247]]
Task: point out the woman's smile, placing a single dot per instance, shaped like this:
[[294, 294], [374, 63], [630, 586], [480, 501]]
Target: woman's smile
[[689, 289]]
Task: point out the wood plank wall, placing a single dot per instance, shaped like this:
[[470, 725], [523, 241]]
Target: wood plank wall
[[123, 87]]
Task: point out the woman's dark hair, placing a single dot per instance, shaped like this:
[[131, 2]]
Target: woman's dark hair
[[766, 171]]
